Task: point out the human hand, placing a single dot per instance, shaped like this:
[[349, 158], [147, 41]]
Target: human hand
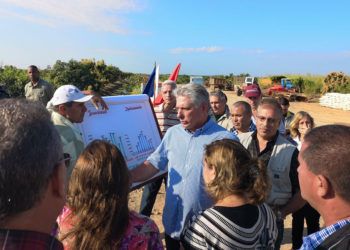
[[96, 100]]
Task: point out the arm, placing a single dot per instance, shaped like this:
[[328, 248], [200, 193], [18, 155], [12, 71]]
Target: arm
[[293, 205], [296, 202], [143, 172]]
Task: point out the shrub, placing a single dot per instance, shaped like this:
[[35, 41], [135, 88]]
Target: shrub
[[13, 80]]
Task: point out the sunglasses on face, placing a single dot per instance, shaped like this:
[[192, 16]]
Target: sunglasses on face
[[66, 159]]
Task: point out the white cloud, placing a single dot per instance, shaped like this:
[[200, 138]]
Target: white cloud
[[210, 49], [101, 15]]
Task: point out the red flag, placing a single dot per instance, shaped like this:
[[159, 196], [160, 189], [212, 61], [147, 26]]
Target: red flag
[[173, 76], [175, 73]]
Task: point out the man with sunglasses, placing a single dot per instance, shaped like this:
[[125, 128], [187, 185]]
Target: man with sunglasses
[[280, 158], [32, 176]]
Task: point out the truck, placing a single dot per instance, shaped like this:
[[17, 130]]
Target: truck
[[249, 80], [287, 83], [197, 80], [287, 89], [285, 86]]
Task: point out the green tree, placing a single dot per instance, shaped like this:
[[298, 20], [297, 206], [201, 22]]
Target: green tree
[[79, 74], [14, 80]]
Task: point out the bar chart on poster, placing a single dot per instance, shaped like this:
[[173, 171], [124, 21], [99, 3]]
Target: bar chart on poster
[[129, 124]]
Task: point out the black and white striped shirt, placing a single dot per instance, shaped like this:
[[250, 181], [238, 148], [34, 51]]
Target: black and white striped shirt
[[213, 230]]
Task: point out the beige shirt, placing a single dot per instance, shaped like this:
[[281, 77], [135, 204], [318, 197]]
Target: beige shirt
[[225, 120], [42, 91], [71, 138]]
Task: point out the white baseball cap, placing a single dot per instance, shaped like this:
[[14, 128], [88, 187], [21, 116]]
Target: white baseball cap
[[68, 93]]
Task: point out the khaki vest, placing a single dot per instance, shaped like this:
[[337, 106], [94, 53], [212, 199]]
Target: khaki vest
[[278, 169]]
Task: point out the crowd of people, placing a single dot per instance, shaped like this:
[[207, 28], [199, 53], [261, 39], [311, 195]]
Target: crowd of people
[[233, 174]]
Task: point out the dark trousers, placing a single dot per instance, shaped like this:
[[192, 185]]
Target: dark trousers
[[280, 228], [312, 218], [171, 244], [149, 196]]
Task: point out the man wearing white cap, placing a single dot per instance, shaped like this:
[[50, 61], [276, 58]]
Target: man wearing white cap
[[68, 107]]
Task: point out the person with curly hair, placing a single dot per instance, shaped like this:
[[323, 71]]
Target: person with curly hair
[[238, 186], [301, 124], [97, 215]]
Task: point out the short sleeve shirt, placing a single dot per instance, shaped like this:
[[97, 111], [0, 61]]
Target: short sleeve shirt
[[42, 91], [182, 152]]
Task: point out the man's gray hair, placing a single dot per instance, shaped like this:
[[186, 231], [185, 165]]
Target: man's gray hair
[[219, 94], [30, 148], [170, 83], [196, 92], [272, 103]]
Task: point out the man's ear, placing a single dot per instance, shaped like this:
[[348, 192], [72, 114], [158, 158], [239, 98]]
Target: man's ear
[[62, 109], [324, 187], [58, 181], [204, 108]]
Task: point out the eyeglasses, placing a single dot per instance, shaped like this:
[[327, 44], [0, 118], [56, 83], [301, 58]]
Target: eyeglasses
[[66, 159]]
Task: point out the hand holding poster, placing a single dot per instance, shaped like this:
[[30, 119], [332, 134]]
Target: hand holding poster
[[129, 124]]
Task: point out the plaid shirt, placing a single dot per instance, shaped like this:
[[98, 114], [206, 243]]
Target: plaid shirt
[[252, 128], [312, 241], [22, 239]]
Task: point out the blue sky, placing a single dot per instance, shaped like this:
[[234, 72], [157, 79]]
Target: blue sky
[[206, 36]]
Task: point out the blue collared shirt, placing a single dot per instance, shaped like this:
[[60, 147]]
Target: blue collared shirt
[[182, 151], [312, 241]]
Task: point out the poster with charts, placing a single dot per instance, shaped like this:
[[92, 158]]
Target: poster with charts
[[129, 124]]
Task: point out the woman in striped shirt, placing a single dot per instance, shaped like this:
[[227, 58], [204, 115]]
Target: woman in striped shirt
[[239, 219]]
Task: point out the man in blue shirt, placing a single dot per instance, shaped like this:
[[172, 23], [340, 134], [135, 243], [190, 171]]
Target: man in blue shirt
[[181, 150], [324, 176]]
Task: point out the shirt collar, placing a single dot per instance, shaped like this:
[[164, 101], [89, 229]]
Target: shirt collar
[[206, 125], [312, 241], [270, 144], [251, 128], [37, 84]]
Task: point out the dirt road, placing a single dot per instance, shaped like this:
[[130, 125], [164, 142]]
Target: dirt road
[[321, 115]]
